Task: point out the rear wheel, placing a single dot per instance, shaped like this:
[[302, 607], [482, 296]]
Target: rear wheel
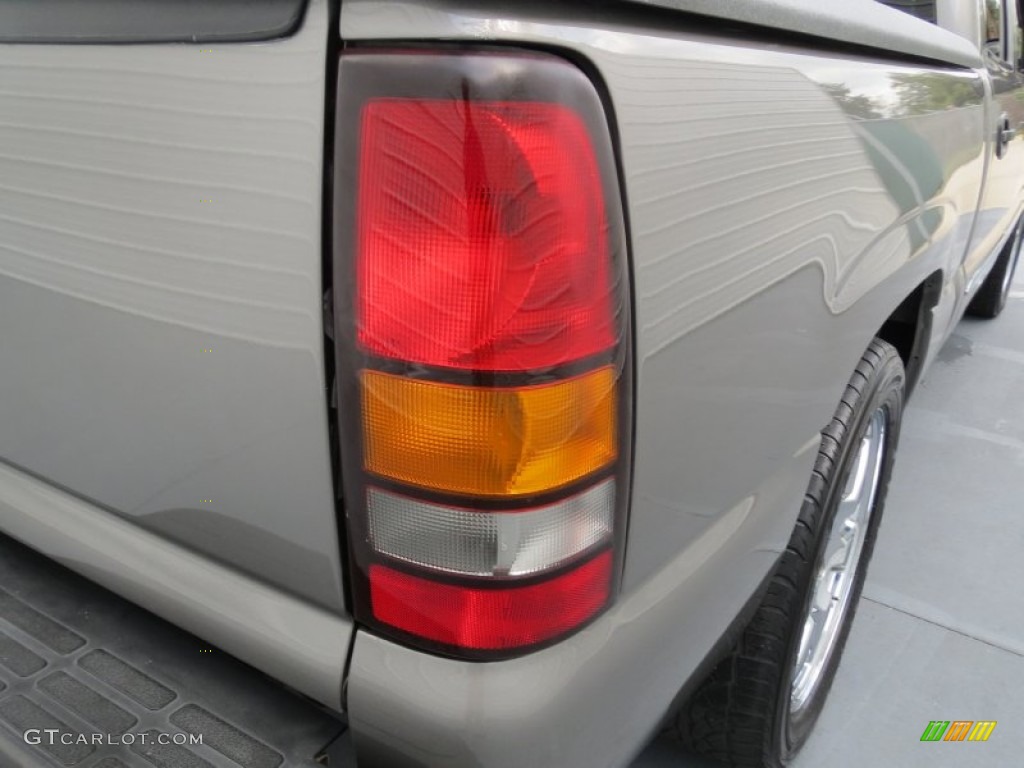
[[990, 299], [757, 707]]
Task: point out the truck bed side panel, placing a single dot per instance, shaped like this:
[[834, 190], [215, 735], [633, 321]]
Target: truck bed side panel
[[161, 347]]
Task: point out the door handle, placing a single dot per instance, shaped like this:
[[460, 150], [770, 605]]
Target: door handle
[[1004, 135]]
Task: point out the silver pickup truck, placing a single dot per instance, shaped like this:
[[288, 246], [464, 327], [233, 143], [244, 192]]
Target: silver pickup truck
[[518, 380]]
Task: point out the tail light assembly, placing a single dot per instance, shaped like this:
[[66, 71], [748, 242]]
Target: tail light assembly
[[483, 348]]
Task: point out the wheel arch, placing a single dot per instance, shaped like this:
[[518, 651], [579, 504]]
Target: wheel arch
[[909, 326]]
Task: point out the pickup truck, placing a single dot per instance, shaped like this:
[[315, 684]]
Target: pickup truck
[[516, 380]]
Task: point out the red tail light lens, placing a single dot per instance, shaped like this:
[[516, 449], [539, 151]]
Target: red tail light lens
[[482, 346], [490, 619], [477, 246]]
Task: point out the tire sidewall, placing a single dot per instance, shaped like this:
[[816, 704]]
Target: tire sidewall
[[885, 389], [1014, 260], [990, 300], [1005, 274]]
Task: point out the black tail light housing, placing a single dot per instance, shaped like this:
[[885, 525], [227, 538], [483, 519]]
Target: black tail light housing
[[483, 347]]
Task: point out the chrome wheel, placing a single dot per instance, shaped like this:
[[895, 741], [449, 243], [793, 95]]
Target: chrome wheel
[[836, 572]]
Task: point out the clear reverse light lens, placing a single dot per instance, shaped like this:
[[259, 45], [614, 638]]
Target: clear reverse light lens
[[475, 543]]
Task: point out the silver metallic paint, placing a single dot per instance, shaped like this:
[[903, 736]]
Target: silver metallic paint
[[290, 639], [961, 17], [860, 22], [117, 276]]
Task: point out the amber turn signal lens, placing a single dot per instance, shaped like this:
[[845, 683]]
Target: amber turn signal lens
[[484, 441]]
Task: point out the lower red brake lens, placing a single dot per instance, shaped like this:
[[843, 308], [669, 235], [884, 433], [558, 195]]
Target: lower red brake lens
[[494, 618]]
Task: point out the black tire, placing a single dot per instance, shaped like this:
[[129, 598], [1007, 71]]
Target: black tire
[[990, 299], [741, 714]]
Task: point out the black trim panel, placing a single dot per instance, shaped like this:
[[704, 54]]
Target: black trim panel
[[147, 21]]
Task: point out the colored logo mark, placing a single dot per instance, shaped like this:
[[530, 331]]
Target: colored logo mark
[[958, 730]]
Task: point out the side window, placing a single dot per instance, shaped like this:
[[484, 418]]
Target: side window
[[1002, 31], [923, 9], [1018, 37], [993, 32], [993, 23]]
